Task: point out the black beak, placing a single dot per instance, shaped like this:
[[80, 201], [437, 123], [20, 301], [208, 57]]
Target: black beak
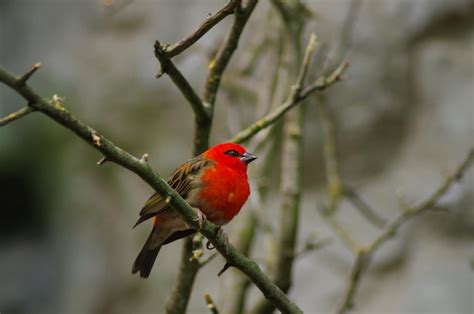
[[247, 158]]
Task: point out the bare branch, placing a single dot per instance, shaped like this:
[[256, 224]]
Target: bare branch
[[25, 77], [210, 304], [365, 253], [115, 154], [219, 63], [360, 264], [313, 246], [201, 110], [187, 269], [269, 119], [210, 22], [324, 82], [341, 232], [333, 177], [361, 205], [16, 115], [102, 161], [424, 205]]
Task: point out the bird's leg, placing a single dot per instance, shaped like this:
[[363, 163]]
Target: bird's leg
[[200, 219]]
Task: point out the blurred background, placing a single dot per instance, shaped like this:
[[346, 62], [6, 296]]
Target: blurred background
[[404, 118]]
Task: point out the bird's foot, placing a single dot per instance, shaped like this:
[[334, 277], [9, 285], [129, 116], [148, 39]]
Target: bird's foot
[[200, 218]]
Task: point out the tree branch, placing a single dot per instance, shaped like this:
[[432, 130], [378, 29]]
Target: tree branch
[[365, 209], [364, 254], [272, 117], [240, 284], [187, 271], [16, 115], [291, 170], [210, 22], [217, 66], [189, 267], [219, 63], [210, 304], [55, 110], [333, 178], [201, 110]]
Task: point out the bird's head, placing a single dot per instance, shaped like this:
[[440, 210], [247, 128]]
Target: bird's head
[[231, 155]]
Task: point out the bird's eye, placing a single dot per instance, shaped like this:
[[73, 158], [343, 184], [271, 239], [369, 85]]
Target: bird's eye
[[232, 153]]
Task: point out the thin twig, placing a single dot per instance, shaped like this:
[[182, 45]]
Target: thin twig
[[210, 304], [424, 205], [333, 177], [365, 253], [117, 155], [269, 119], [325, 81], [219, 63], [210, 22], [313, 246], [341, 232], [25, 77], [363, 207], [16, 115], [360, 264]]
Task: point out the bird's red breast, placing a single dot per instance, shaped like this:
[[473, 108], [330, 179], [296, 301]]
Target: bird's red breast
[[224, 192]]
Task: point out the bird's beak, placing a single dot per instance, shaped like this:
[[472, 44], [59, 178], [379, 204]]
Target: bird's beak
[[247, 158]]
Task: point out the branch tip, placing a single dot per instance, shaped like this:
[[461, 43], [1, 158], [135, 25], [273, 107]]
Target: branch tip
[[102, 161], [22, 80], [210, 304], [226, 266], [16, 115]]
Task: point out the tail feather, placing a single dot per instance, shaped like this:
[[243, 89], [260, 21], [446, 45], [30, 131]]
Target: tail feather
[[146, 258]]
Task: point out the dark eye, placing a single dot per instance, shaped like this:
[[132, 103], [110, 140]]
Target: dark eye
[[232, 153]]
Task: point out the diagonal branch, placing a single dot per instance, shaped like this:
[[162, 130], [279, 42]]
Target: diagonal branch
[[16, 115], [201, 111], [225, 52], [364, 254], [55, 110], [210, 22], [272, 117], [364, 208], [210, 304]]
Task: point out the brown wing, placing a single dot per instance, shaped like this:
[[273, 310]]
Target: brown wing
[[181, 180]]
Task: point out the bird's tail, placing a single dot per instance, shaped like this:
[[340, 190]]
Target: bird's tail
[[145, 260]]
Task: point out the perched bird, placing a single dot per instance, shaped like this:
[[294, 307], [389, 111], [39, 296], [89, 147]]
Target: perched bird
[[214, 182]]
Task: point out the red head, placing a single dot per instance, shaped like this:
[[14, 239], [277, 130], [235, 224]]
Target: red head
[[231, 155]]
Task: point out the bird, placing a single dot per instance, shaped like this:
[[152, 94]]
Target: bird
[[214, 182]]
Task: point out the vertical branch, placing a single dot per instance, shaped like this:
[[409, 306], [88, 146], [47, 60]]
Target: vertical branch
[[217, 67], [240, 284], [334, 185], [360, 264], [189, 267], [292, 154]]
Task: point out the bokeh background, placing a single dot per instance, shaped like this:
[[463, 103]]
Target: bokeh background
[[404, 118]]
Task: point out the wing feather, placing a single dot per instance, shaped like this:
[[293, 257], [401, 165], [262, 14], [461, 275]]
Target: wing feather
[[182, 180]]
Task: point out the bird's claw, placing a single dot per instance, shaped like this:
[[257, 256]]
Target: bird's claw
[[200, 219]]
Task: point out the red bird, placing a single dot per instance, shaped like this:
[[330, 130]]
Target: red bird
[[214, 182]]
